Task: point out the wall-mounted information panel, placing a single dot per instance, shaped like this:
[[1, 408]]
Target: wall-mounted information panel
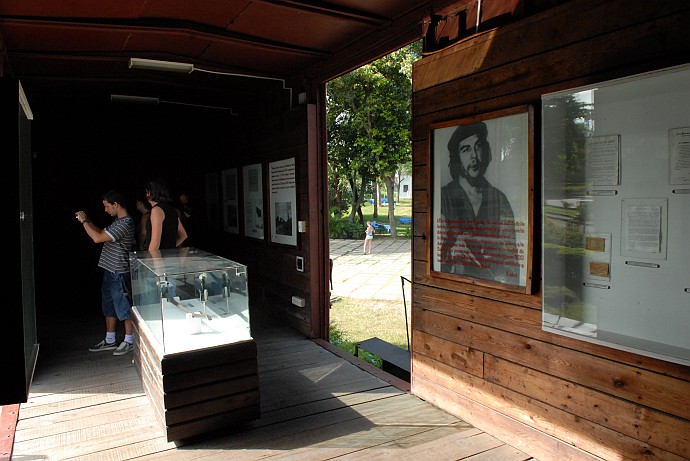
[[616, 229]]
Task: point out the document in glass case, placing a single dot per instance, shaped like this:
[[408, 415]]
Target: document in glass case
[[644, 228], [603, 160], [679, 143]]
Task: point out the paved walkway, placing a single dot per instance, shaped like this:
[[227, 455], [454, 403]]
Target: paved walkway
[[373, 276]]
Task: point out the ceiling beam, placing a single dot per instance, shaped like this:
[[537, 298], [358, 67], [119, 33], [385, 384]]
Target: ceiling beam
[[330, 10]]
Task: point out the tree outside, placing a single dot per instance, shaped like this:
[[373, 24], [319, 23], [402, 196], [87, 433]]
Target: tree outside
[[369, 136]]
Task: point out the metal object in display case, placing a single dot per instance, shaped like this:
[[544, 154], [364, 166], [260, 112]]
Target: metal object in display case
[[190, 299]]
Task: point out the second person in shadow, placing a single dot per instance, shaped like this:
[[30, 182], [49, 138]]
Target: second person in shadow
[[164, 229]]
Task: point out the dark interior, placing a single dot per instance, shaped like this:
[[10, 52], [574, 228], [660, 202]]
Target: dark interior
[[256, 94], [253, 60]]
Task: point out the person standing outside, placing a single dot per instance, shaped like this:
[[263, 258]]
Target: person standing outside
[[479, 238], [164, 229], [368, 238], [117, 240]]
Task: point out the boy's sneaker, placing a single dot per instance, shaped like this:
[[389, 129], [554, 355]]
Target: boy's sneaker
[[123, 348], [103, 346]]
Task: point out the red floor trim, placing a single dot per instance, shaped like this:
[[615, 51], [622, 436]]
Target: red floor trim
[[8, 425]]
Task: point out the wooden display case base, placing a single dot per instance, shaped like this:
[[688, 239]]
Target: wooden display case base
[[200, 392]]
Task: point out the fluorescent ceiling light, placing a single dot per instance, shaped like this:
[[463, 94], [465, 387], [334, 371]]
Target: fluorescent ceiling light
[[166, 66], [125, 98], [185, 68], [133, 99]]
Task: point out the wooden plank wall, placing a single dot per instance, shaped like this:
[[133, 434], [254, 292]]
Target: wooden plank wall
[[480, 353], [271, 271]]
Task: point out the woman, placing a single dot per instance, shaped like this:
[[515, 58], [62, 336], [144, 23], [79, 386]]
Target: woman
[[164, 229], [368, 238]]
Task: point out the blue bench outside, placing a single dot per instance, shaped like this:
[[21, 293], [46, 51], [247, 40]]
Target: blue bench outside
[[405, 220], [378, 226], [384, 201]]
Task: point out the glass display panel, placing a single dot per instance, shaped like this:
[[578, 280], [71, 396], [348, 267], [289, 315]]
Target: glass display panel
[[616, 158], [190, 299]]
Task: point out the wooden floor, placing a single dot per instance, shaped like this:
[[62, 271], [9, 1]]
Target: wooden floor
[[315, 405]]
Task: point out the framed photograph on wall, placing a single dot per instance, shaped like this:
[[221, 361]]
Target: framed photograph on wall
[[253, 201], [482, 199], [283, 197], [230, 204]]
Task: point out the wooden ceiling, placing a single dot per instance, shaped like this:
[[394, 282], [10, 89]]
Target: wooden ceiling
[[246, 53]]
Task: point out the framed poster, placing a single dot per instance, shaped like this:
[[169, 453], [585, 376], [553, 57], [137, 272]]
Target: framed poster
[[253, 201], [212, 214], [482, 199], [230, 205], [283, 197]]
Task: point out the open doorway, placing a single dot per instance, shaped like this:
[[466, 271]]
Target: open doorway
[[370, 186]]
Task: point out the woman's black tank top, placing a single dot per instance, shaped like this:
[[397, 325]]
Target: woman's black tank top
[[169, 230]]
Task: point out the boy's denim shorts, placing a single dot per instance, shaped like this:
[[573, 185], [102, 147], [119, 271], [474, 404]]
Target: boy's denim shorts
[[115, 298]]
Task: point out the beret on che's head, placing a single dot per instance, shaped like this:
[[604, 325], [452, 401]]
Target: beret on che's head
[[465, 131]]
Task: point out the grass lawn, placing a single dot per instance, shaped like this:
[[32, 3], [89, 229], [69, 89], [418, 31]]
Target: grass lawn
[[355, 319], [403, 209]]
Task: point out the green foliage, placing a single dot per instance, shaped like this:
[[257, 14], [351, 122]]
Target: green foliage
[[564, 250], [563, 236], [564, 141], [570, 304], [368, 114], [568, 238], [404, 230], [343, 229]]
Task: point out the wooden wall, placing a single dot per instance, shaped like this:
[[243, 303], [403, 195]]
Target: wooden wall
[[271, 267], [480, 353]]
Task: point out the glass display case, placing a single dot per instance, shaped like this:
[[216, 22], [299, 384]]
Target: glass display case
[[190, 299], [616, 190]]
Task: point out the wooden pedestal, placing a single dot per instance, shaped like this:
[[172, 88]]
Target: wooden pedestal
[[200, 391]]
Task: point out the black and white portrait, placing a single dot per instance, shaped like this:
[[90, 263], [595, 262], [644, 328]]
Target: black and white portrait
[[481, 198]]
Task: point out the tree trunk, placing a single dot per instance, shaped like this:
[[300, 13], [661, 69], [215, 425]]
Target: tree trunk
[[363, 188], [355, 198], [390, 180], [337, 196]]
